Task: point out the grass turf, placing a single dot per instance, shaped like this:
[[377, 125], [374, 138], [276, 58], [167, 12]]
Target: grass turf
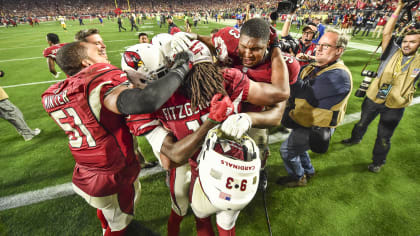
[[343, 198]]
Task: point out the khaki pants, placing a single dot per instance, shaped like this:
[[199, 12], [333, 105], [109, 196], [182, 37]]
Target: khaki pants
[[378, 29]]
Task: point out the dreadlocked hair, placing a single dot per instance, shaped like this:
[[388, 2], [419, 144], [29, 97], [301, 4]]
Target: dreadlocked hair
[[203, 81]]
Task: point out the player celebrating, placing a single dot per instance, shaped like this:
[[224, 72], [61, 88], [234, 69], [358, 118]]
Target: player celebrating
[[247, 50], [90, 107], [92, 36], [185, 112], [51, 52]]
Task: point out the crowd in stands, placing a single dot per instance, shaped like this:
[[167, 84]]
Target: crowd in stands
[[47, 9]]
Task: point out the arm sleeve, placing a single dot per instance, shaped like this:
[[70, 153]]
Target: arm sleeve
[[148, 100]]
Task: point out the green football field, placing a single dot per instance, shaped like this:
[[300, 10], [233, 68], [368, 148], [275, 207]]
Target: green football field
[[342, 199]]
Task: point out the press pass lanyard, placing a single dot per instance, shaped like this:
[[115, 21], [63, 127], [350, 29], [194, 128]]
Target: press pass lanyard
[[399, 67]]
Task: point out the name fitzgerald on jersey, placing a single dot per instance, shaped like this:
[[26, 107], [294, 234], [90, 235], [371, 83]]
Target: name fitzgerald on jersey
[[56, 100], [181, 111]]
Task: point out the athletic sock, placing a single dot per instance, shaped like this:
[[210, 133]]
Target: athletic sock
[[223, 232], [108, 232], [204, 227], [101, 217], [174, 223]]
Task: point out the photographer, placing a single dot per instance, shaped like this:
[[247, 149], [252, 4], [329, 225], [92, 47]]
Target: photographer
[[306, 50], [317, 105], [11, 113], [391, 91]]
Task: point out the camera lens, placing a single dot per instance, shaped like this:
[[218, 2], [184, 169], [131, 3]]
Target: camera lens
[[361, 92]]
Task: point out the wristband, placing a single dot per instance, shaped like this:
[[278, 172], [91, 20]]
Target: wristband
[[213, 121], [394, 16]]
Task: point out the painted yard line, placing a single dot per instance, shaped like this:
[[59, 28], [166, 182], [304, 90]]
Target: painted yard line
[[10, 48], [21, 59], [34, 83], [63, 190], [42, 47], [32, 58], [32, 197]]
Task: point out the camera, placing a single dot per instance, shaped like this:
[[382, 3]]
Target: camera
[[289, 6], [369, 75], [289, 44]]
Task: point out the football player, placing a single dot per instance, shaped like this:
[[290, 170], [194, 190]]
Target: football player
[[185, 112], [90, 107], [247, 50], [92, 36], [51, 52], [62, 20], [228, 176]]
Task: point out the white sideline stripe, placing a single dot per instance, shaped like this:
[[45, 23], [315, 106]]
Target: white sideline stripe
[[349, 118], [63, 190], [42, 82]]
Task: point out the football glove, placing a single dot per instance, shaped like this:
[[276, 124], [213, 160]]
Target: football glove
[[181, 42], [57, 75], [220, 108], [137, 78], [236, 125]]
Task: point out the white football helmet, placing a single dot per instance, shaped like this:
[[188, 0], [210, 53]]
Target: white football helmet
[[201, 52], [163, 41], [221, 50], [146, 59], [229, 170]]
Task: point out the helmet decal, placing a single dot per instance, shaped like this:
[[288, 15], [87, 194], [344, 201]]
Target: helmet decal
[[133, 60]]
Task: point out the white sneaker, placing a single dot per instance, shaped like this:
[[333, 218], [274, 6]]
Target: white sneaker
[[36, 132]]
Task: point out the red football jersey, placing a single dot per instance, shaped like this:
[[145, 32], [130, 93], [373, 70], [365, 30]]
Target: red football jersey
[[262, 72], [52, 50], [99, 139], [226, 42], [177, 116]]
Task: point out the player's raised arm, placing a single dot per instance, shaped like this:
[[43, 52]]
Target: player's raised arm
[[147, 100]]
